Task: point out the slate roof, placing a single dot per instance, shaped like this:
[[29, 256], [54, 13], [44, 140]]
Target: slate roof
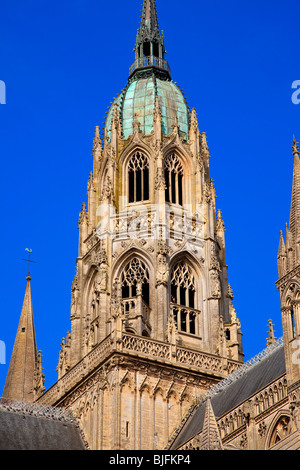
[[25, 426], [236, 388]]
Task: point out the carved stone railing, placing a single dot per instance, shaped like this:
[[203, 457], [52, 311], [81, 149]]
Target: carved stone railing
[[141, 347], [146, 346], [178, 355], [199, 360], [150, 61]]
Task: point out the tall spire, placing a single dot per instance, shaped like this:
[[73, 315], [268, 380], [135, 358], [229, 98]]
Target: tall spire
[[150, 45], [24, 367], [289, 253], [295, 204], [294, 225]]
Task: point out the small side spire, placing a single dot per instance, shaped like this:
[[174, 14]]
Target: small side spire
[[210, 438], [271, 333], [281, 257], [97, 149], [25, 364], [294, 225]]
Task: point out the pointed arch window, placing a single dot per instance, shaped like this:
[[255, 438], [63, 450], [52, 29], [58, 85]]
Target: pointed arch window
[[183, 298], [135, 276], [281, 430], [138, 178], [174, 179]]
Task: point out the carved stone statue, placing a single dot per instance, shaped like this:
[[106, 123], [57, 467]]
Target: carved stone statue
[[101, 279], [162, 273], [215, 284]]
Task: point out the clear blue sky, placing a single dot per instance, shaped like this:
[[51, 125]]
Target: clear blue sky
[[63, 61]]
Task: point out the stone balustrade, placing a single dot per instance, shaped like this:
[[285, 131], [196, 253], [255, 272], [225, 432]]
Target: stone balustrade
[[147, 348]]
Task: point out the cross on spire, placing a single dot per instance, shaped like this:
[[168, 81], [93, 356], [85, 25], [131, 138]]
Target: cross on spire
[[29, 261]]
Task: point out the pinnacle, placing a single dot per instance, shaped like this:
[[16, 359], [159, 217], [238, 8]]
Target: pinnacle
[[295, 203], [210, 437]]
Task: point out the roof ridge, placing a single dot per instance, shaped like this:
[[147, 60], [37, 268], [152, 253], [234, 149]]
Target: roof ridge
[[37, 410]]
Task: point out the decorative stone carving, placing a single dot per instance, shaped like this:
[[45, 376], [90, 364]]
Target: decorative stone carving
[[215, 284], [160, 183], [83, 215], [162, 272], [101, 278]]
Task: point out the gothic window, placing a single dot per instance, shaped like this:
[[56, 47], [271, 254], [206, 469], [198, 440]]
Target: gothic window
[[174, 179], [183, 298], [281, 430], [135, 276], [138, 178]]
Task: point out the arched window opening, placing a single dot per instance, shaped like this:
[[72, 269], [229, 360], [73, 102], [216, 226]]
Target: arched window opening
[[146, 49], [155, 49], [183, 298], [138, 178], [293, 322], [134, 281], [281, 430], [174, 180]]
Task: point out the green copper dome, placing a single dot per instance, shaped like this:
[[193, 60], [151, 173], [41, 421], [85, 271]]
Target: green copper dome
[[138, 100], [150, 76]]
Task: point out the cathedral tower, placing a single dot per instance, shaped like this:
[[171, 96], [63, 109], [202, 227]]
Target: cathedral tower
[[152, 319]]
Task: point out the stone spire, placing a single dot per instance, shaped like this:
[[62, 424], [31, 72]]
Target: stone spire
[[149, 28], [294, 225], [289, 252], [22, 373], [210, 438], [281, 257], [289, 278]]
